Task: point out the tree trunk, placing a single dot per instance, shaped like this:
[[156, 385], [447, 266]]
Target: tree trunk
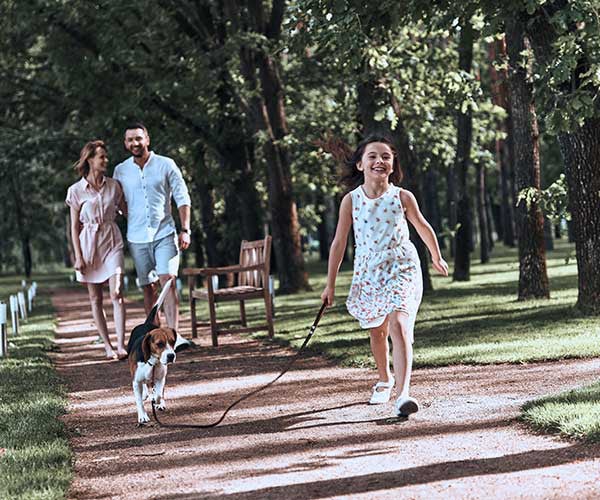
[[548, 234], [580, 149], [204, 194], [506, 228], [533, 278], [22, 227], [261, 73], [490, 219], [484, 237], [464, 235]]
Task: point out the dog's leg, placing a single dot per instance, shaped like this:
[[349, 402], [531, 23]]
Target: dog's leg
[[139, 402], [159, 389]]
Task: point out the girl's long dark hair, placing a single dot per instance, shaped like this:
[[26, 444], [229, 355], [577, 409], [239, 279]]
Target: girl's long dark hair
[[350, 176]]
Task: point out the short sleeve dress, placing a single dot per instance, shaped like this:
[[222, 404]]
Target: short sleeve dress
[[100, 239], [387, 271]]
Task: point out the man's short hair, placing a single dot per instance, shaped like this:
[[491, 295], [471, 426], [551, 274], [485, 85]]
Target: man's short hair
[[136, 125]]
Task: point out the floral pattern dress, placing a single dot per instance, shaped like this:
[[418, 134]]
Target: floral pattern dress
[[387, 271]]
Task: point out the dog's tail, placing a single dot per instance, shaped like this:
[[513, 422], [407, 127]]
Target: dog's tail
[[159, 302]]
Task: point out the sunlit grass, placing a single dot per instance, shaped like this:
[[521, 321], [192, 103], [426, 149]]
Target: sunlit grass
[[574, 414], [35, 459]]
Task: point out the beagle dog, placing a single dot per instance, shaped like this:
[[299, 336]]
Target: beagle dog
[[149, 354], [150, 349]]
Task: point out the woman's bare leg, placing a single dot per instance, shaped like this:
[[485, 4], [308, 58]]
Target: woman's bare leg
[[115, 284], [95, 293]]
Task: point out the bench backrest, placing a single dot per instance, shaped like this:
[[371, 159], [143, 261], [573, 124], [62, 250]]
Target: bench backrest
[[254, 253]]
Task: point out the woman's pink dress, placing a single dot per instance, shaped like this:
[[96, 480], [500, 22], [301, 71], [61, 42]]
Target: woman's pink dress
[[100, 239]]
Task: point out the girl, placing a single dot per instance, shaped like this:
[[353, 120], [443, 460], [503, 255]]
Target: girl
[[97, 242], [387, 283]]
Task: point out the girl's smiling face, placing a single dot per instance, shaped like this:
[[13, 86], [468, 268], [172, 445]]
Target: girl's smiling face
[[377, 162]]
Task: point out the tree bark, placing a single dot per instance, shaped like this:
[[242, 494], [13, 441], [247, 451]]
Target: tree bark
[[464, 235], [506, 228], [580, 149], [533, 278], [268, 115], [484, 237]]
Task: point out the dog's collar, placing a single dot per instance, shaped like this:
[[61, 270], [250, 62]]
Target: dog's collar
[[153, 361]]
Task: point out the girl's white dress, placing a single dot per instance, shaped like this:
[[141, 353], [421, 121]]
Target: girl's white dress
[[387, 271]]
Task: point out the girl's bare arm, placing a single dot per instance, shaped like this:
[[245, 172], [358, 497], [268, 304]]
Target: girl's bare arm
[[338, 248]]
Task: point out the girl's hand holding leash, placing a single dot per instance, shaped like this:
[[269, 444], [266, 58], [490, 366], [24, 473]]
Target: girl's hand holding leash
[[440, 265], [327, 296]]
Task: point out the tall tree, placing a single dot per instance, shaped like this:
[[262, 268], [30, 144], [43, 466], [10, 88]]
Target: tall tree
[[571, 29], [533, 278], [464, 218]]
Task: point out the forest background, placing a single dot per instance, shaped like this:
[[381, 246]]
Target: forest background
[[493, 108]]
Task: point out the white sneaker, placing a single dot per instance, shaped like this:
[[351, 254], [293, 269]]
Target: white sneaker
[[405, 406], [382, 392]]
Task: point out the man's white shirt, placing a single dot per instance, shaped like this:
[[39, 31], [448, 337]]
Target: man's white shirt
[[148, 194]]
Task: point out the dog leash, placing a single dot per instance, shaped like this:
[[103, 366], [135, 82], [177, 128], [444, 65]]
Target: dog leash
[[250, 394]]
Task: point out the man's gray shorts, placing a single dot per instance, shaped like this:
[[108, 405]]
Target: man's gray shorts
[[155, 258]]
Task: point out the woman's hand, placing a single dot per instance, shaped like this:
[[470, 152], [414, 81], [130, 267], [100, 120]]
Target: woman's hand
[[327, 296], [441, 266], [79, 264]]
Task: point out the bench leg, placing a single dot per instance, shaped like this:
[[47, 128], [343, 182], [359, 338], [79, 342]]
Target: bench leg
[[213, 323], [193, 318], [243, 313]]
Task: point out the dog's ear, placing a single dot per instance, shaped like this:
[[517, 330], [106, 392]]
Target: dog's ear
[[171, 335], [146, 351]]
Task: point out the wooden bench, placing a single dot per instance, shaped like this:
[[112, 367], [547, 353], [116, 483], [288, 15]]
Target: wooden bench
[[247, 280]]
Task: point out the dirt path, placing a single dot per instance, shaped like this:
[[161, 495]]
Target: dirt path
[[312, 435]]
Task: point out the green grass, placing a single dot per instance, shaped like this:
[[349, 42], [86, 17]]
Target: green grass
[[35, 459], [574, 414], [475, 322]]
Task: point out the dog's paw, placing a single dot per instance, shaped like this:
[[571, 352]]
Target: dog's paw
[[143, 418], [162, 405]]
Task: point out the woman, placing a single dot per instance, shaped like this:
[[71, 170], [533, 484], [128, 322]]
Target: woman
[[94, 202]]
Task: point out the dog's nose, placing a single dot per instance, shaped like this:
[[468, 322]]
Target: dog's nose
[[170, 357]]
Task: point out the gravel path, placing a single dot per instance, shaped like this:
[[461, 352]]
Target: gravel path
[[311, 435]]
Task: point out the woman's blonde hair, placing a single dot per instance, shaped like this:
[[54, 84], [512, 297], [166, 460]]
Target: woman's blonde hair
[[88, 151]]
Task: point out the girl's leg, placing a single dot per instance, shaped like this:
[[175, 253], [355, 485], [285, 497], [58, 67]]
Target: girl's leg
[[380, 350], [95, 293], [115, 284], [402, 350]]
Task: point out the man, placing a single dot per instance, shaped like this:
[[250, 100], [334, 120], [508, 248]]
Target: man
[[149, 181]]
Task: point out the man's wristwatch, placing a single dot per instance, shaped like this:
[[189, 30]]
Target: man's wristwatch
[[186, 231]]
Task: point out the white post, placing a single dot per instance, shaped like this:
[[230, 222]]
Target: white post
[[272, 292], [3, 331], [215, 282], [14, 314], [179, 286], [22, 308], [30, 299], [126, 282], [34, 286], [23, 283]]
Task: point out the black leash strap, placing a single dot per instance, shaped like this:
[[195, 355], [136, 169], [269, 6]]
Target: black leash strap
[[250, 394]]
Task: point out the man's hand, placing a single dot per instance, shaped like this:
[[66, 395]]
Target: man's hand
[[184, 240]]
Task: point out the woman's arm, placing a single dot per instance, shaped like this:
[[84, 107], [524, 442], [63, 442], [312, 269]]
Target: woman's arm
[[338, 248], [79, 264], [426, 232]]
